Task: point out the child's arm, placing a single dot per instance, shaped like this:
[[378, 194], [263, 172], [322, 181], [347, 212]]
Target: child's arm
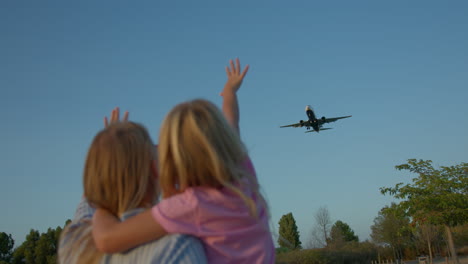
[[230, 105], [112, 236]]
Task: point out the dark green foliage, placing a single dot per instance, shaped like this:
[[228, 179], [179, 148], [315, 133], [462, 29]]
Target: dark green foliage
[[340, 234], [30, 246], [46, 248], [18, 255], [25, 254], [6, 247], [38, 248], [288, 233]]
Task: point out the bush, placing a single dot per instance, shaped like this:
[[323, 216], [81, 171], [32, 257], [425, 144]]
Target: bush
[[312, 256], [351, 253], [282, 250]]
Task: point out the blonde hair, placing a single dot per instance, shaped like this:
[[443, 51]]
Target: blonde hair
[[76, 244], [197, 147], [117, 176]]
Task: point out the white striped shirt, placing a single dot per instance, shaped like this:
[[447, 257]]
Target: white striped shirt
[[172, 248]]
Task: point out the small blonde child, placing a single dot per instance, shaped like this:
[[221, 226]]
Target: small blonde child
[[109, 184], [209, 186], [120, 175]]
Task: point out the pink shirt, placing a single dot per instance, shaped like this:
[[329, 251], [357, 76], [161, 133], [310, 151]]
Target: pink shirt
[[222, 220]]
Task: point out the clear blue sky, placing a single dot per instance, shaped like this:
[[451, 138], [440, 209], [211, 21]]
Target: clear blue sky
[[399, 67]]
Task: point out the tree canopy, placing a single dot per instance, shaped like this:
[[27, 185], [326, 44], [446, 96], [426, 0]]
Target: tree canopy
[[38, 248], [6, 246], [288, 233], [436, 196], [391, 227], [341, 232]]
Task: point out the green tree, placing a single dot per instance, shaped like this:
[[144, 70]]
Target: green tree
[[26, 252], [436, 196], [46, 247], [30, 246], [341, 233], [38, 248], [392, 227], [6, 247], [18, 255], [288, 233]]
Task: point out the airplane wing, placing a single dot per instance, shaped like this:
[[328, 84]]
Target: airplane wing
[[300, 124], [333, 119]]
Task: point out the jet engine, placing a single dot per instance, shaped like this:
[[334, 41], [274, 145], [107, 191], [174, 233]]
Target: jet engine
[[301, 122], [323, 118]]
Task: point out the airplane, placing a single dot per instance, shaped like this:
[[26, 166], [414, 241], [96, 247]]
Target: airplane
[[313, 122]]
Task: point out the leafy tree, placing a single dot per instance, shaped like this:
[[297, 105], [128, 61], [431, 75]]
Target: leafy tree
[[46, 247], [26, 252], [391, 227], [288, 233], [341, 233], [30, 246], [6, 247], [38, 248], [436, 196], [18, 255]]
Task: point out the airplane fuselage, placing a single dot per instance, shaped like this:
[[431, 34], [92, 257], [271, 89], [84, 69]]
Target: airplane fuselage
[[312, 119]]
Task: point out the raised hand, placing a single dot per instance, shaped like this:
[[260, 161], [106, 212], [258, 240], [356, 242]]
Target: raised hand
[[115, 117], [235, 76], [230, 105]]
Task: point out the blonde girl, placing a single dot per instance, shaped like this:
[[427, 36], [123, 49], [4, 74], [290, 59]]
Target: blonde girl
[[209, 186], [119, 175]]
